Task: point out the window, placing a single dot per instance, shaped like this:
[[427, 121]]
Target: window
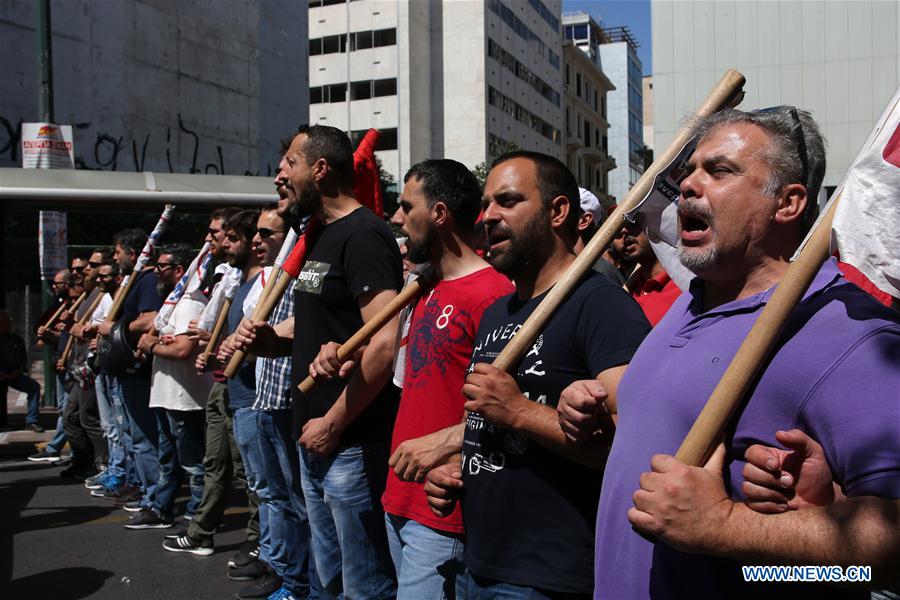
[[315, 95], [578, 84], [361, 40], [315, 47], [337, 92], [333, 43], [361, 90], [384, 87], [385, 37]]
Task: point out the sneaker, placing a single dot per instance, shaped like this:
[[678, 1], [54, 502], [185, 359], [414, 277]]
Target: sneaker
[[248, 572], [45, 456], [134, 506], [185, 544], [148, 519], [178, 531], [96, 482], [263, 587], [282, 593], [247, 553], [35, 427], [124, 494], [110, 485]]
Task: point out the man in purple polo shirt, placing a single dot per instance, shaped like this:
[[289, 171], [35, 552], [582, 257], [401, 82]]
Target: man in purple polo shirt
[[744, 209]]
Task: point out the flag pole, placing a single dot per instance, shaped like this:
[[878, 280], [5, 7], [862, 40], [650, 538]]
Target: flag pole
[[722, 95], [217, 330], [81, 321], [409, 293]]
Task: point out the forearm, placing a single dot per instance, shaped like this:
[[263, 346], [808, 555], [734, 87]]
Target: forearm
[[181, 348], [541, 423], [142, 324], [366, 382], [856, 531]]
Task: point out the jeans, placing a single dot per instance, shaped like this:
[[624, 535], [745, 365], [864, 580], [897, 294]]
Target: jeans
[[180, 451], [472, 587], [280, 491], [221, 465], [112, 417], [349, 541], [32, 388], [427, 561], [144, 435], [245, 434], [58, 441]]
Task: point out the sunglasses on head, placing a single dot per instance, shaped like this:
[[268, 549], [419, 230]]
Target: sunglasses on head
[[797, 131]]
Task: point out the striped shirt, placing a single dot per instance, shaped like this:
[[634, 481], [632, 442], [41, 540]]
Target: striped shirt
[[273, 375]]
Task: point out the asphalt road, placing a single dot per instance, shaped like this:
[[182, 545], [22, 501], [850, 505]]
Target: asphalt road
[[57, 541]]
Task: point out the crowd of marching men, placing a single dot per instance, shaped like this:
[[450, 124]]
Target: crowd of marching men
[[393, 445]]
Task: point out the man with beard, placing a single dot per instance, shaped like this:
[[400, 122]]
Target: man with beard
[[651, 286], [745, 205], [138, 312], [351, 272], [222, 463], [438, 207], [529, 494], [177, 394]]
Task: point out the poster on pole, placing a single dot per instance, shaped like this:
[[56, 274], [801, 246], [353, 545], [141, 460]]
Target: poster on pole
[[47, 146], [52, 242]]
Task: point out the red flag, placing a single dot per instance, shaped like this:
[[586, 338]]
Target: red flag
[[367, 188]]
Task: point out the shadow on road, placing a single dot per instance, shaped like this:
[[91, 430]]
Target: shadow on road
[[72, 582]]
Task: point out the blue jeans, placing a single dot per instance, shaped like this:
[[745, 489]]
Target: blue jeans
[[349, 541], [116, 464], [144, 427], [246, 437], [472, 587], [427, 561], [58, 441], [181, 449], [279, 490], [32, 388]]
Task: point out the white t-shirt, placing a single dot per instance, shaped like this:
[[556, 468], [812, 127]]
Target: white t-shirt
[[175, 383], [102, 310]]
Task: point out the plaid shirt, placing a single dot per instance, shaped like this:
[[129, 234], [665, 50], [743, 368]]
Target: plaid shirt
[[273, 375]]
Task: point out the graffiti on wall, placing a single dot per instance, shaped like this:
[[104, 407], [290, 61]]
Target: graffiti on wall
[[111, 152]]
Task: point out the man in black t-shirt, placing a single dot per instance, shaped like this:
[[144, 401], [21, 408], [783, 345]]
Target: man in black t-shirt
[[529, 495], [351, 271]]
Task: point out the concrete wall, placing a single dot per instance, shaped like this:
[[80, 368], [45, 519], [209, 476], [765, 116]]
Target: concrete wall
[[838, 59], [187, 86], [614, 58]]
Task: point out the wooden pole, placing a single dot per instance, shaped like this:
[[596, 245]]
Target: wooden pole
[[707, 430], [630, 281], [263, 310], [217, 330], [373, 325], [81, 321], [721, 96]]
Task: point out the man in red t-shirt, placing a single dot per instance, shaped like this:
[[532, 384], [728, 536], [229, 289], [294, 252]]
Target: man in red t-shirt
[[438, 207], [650, 286]]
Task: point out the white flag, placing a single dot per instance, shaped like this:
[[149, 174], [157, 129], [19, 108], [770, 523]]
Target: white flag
[[866, 226], [659, 216], [225, 289]]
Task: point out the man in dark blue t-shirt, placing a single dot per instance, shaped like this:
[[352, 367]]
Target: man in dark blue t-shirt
[[529, 494]]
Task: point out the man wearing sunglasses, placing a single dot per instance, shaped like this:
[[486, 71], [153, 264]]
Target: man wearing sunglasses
[[745, 205], [650, 286]]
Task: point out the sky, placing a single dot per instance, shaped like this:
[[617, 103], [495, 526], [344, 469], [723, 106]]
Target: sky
[[611, 13]]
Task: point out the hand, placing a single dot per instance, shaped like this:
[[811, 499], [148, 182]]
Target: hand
[[686, 507], [93, 344], [320, 437], [41, 331], [495, 395], [252, 335], [581, 408], [195, 333], [413, 459], [327, 365], [226, 349], [777, 480], [201, 363], [77, 330], [165, 340], [146, 342], [60, 326], [104, 328], [443, 487], [60, 366]]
